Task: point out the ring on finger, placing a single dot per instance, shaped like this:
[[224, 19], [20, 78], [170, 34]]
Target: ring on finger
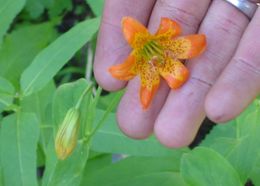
[[247, 7]]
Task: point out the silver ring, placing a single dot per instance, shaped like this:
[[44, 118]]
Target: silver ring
[[246, 7]]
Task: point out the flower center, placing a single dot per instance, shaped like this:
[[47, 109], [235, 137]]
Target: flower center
[[152, 50]]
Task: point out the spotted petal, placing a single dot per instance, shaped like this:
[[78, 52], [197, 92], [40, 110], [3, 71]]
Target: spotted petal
[[150, 81], [126, 70], [188, 46], [168, 28], [175, 73], [135, 33]]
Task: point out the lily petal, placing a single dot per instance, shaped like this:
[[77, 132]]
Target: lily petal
[[188, 46], [126, 70], [168, 28], [150, 81], [132, 29], [175, 73]]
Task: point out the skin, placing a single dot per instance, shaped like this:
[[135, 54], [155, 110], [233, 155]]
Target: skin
[[223, 80]]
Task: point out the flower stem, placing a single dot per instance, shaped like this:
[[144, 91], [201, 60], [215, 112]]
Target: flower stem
[[83, 94]]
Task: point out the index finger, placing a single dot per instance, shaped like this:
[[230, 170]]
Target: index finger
[[111, 46]]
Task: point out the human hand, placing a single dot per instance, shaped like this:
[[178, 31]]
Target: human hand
[[223, 81]]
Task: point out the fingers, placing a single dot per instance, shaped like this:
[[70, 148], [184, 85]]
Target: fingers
[[188, 13], [239, 84], [111, 46], [132, 119], [183, 112], [255, 1]]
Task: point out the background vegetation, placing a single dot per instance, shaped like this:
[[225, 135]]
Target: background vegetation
[[46, 55]]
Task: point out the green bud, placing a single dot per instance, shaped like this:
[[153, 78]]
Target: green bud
[[67, 135]]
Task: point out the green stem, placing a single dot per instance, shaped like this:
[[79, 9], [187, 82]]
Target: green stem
[[101, 121], [82, 95], [91, 112]]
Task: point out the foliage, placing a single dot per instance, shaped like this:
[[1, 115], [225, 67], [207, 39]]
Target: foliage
[[44, 49]]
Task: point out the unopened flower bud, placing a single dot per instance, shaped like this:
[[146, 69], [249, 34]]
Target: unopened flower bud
[[67, 135]]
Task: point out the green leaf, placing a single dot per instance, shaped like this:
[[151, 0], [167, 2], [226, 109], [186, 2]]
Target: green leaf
[[254, 175], [110, 139], [137, 171], [241, 143], [98, 162], [47, 3], [48, 62], [35, 8], [1, 169], [8, 11], [39, 103], [67, 172], [58, 6], [66, 97], [1, 176], [224, 130], [105, 101], [19, 135], [242, 157], [96, 6], [7, 93], [204, 167], [230, 129], [14, 58]]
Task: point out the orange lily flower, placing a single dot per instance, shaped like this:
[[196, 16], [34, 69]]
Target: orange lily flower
[[156, 55]]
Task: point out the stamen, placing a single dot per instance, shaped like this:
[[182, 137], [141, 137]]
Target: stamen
[[152, 49]]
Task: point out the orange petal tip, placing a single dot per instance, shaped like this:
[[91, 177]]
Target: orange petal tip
[[199, 43], [169, 25], [177, 83], [124, 71], [146, 95], [131, 27]]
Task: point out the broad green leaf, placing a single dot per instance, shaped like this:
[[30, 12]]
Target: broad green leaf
[[204, 167], [225, 146], [110, 139], [67, 172], [47, 3], [96, 6], [50, 60], [224, 130], [241, 143], [137, 171], [7, 93], [58, 6], [230, 129], [40, 156], [39, 103], [105, 101], [97, 162], [19, 135], [8, 11], [35, 8], [14, 58], [243, 157], [254, 175], [1, 176], [66, 97], [1, 169]]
